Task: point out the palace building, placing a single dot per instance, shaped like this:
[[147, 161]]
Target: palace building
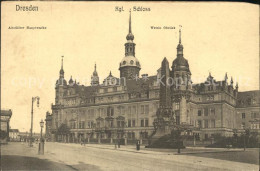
[[125, 107]]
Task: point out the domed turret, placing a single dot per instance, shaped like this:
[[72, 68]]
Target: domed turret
[[130, 61], [61, 81], [129, 66], [70, 81], [180, 63]]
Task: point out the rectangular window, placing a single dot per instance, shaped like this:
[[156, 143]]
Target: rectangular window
[[206, 124], [133, 123], [142, 123], [133, 135], [146, 122], [254, 115], [129, 123], [108, 112], [142, 109], [212, 111], [199, 112], [123, 124], [112, 111], [206, 112], [243, 115], [177, 105]]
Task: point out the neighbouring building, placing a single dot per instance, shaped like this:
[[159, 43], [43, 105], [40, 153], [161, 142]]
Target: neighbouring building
[[125, 107], [48, 125], [5, 122], [14, 135]]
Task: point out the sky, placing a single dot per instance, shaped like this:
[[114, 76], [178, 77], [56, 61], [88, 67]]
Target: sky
[[218, 37]]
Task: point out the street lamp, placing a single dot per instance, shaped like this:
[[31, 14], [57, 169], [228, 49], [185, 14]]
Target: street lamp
[[38, 103], [41, 124], [41, 144]]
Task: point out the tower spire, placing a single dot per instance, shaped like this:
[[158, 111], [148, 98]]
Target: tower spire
[[130, 36], [130, 28], [180, 47], [179, 36], [62, 62], [61, 70]]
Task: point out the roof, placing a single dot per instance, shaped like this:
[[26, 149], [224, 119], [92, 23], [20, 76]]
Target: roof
[[130, 61], [248, 99], [14, 130], [180, 64], [6, 112], [86, 91], [140, 84]]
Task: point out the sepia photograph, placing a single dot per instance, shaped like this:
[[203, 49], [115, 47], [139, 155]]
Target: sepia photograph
[[129, 86]]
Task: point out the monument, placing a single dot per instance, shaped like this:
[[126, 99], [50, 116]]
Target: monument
[[165, 121]]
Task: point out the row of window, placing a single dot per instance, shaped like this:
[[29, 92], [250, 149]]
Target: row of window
[[123, 110], [254, 115], [90, 124], [205, 123], [207, 111]]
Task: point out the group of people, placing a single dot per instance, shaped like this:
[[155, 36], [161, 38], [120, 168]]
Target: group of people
[[83, 141]]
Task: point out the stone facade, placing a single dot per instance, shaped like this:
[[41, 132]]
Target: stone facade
[[5, 123], [125, 108]]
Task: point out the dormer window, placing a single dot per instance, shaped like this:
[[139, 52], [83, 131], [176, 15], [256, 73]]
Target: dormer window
[[131, 62]]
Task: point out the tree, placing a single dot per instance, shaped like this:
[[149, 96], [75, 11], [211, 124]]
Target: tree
[[3, 134], [63, 129]]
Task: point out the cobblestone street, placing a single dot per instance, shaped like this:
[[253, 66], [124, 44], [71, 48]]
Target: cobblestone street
[[59, 156]]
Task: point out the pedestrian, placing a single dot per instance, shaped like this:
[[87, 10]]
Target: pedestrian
[[118, 142]]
